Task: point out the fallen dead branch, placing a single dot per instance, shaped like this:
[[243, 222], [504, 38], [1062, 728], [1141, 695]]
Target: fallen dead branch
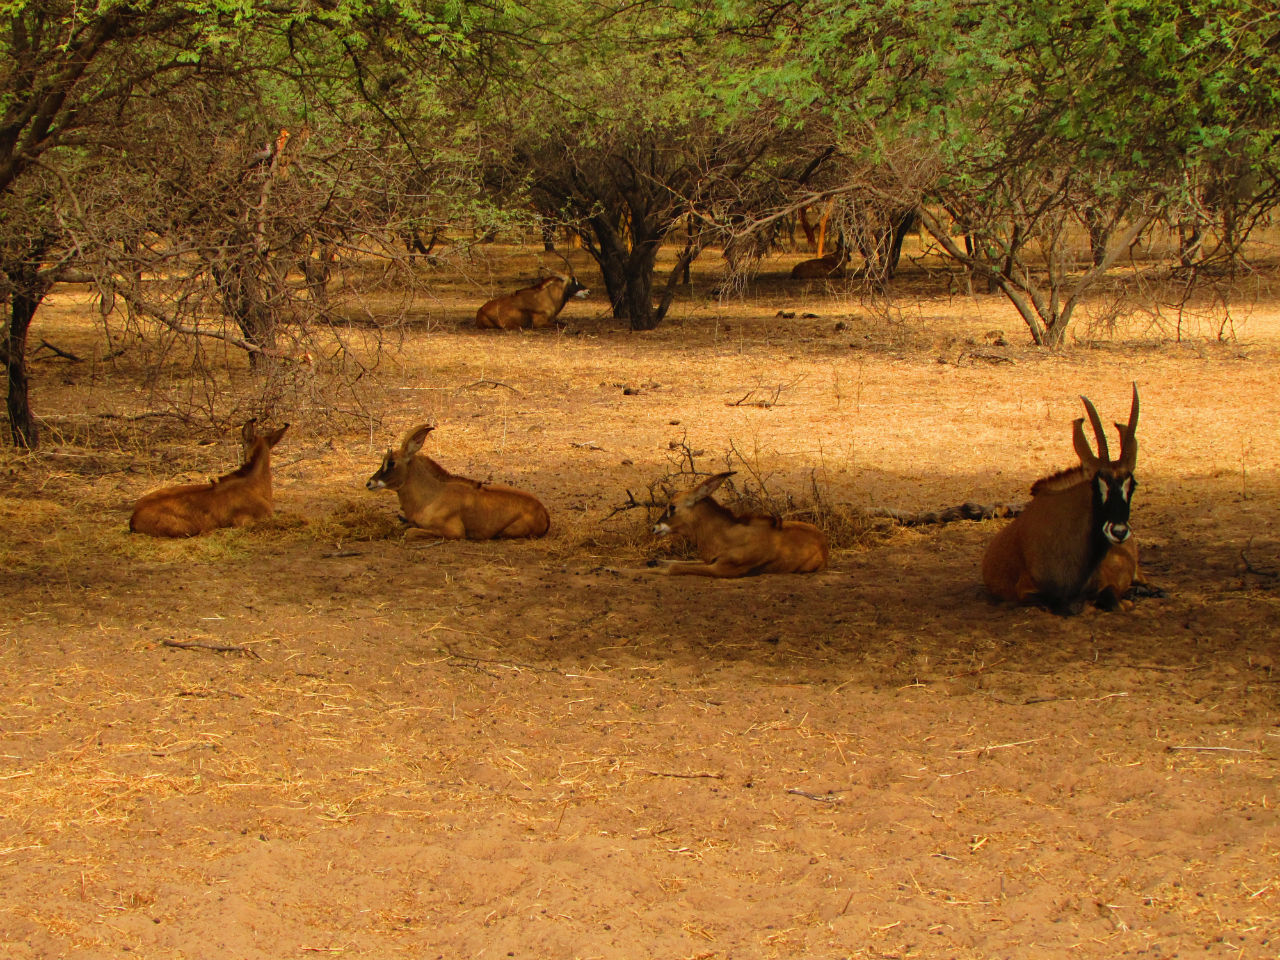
[[215, 647], [964, 511], [768, 399], [1250, 568], [57, 351], [977, 357], [632, 503]]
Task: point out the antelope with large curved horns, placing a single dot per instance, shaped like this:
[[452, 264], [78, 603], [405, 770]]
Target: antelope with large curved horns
[[1072, 543], [535, 306], [738, 545]]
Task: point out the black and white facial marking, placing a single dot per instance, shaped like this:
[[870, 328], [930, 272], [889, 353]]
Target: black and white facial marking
[[379, 480], [574, 289], [1112, 496], [663, 526]]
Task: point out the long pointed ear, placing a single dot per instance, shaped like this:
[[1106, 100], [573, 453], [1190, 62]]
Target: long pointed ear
[[274, 436], [708, 486], [1087, 459], [249, 432], [1099, 434], [1129, 435], [414, 439]]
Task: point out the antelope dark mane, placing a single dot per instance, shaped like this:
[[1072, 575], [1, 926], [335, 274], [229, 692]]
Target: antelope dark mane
[[718, 508], [243, 470], [440, 473], [752, 516], [1060, 481]]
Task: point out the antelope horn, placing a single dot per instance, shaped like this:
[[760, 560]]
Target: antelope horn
[[1104, 454], [1087, 459], [566, 261], [1129, 436]]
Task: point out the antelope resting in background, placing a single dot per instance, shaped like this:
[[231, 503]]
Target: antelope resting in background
[[233, 500], [1072, 542], [830, 267], [536, 306], [436, 503], [738, 545]]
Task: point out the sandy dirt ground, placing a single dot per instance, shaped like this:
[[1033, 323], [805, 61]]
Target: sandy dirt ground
[[544, 749]]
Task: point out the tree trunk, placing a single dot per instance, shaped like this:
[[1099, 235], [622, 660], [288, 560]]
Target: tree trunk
[[627, 273], [28, 291], [639, 300], [242, 299]]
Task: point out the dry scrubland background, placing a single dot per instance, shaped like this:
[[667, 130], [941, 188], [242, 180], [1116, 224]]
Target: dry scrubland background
[[539, 750]]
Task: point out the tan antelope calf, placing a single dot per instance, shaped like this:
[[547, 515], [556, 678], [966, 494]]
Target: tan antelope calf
[[438, 503], [738, 545], [536, 306], [1072, 543], [233, 500]]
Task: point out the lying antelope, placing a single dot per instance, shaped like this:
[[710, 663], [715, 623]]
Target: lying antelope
[[830, 267], [536, 306], [233, 500], [738, 545], [1072, 543], [436, 503]]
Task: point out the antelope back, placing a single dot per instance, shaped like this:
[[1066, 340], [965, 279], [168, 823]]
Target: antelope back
[[233, 499]]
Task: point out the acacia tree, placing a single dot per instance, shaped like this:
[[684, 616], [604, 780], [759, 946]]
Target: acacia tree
[[163, 104], [604, 117], [1031, 118]]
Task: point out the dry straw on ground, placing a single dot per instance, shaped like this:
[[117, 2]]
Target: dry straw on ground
[[313, 738]]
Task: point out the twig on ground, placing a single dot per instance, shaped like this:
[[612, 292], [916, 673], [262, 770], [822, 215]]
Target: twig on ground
[[631, 504], [466, 660], [1250, 568], [764, 403], [813, 796], [978, 669], [1034, 700], [993, 358], [488, 383], [215, 647], [149, 415], [1218, 749], [998, 746], [685, 776]]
